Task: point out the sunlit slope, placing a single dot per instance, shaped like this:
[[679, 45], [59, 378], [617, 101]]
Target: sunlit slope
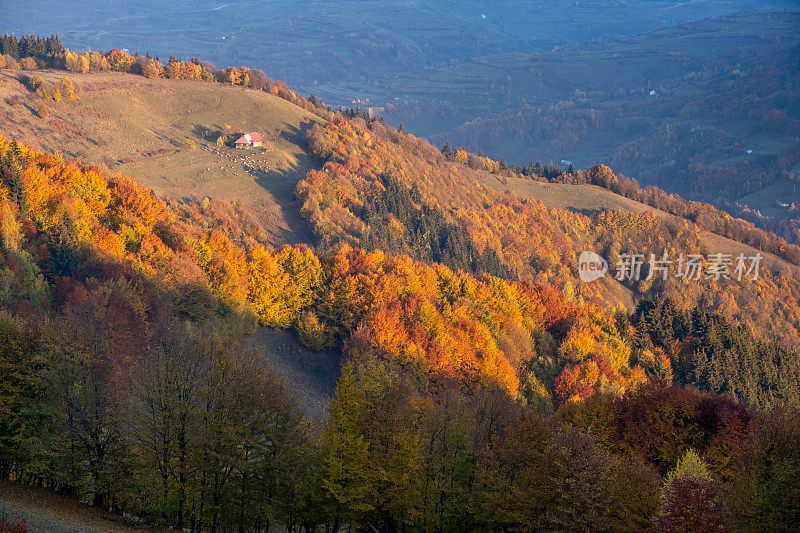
[[380, 188], [588, 199], [163, 132]]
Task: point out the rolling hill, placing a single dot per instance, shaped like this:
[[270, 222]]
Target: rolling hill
[[443, 101], [349, 43], [592, 199], [163, 132], [670, 114]]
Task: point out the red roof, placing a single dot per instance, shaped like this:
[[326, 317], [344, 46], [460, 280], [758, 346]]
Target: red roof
[[249, 138]]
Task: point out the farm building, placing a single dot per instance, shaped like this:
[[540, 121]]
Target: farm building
[[248, 140]]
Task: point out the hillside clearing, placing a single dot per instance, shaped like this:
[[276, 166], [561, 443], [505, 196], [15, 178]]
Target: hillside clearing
[[162, 133], [310, 376]]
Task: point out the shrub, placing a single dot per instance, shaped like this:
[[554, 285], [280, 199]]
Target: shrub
[[33, 83], [28, 63]]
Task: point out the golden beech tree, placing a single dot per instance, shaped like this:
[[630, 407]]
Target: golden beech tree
[[97, 61], [578, 345], [152, 69], [283, 284], [119, 60], [313, 333], [76, 62], [182, 70], [28, 63], [232, 75]]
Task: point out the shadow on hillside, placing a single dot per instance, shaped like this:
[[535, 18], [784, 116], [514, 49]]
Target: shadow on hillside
[[297, 135], [205, 133], [11, 76], [586, 211], [281, 183], [33, 111]]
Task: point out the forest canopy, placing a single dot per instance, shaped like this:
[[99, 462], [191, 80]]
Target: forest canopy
[[481, 388]]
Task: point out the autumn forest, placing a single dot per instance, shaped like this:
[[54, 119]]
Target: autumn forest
[[482, 386]]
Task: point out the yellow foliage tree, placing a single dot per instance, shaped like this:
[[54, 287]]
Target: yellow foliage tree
[[120, 60], [67, 88], [312, 332], [577, 346], [152, 69], [28, 63]]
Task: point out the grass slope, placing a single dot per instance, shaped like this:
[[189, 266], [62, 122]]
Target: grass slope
[[310, 376], [141, 127], [588, 199], [47, 512]]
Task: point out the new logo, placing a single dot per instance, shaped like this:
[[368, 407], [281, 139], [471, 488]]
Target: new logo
[[591, 266]]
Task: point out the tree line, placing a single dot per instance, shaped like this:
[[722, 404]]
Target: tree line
[[198, 433], [707, 351]]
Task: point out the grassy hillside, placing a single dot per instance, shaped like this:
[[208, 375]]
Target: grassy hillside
[[163, 131], [591, 199], [44, 510], [146, 128]]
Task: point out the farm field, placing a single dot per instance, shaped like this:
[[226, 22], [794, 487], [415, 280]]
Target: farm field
[[764, 200]]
